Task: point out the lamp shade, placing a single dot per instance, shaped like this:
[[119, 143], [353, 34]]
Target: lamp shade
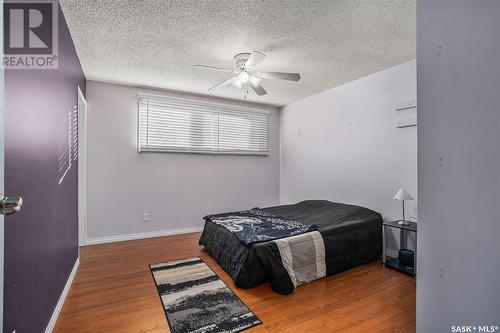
[[403, 195]]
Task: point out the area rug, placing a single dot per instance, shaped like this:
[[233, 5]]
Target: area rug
[[195, 299]]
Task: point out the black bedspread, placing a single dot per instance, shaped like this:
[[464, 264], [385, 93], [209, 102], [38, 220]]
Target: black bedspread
[[352, 236]]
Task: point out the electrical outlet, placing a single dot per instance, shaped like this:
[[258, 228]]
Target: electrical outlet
[[146, 217]]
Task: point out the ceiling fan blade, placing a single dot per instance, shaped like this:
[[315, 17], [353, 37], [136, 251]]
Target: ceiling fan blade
[[214, 68], [224, 83], [280, 76], [258, 88], [255, 58]]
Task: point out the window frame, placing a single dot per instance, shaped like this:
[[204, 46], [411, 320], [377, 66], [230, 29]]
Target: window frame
[[211, 103]]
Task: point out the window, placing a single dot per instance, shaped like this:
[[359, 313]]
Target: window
[[168, 124]]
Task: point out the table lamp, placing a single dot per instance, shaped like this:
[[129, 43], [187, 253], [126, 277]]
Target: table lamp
[[403, 195]]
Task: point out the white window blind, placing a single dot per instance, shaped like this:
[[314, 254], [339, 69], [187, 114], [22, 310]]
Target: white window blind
[[168, 124]]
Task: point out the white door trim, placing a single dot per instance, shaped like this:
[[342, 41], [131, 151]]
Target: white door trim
[[2, 166], [82, 169], [62, 298]]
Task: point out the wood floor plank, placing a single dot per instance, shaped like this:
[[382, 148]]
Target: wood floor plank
[[113, 291]]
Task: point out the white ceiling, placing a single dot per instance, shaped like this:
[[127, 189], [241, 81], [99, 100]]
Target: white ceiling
[[156, 43]]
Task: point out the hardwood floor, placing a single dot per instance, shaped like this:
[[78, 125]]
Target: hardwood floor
[[113, 291]]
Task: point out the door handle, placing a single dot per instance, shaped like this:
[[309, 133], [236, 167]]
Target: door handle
[[10, 205]]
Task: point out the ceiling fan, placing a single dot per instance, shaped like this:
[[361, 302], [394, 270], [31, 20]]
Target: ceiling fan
[[245, 76]]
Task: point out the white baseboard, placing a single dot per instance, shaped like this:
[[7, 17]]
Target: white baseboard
[[160, 233], [62, 298]]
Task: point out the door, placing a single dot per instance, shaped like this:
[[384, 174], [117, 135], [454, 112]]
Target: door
[[41, 165], [8, 206]]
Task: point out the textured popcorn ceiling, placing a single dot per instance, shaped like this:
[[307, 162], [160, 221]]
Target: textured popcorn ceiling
[[155, 43]]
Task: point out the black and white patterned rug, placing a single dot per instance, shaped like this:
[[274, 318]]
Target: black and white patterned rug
[[195, 299]]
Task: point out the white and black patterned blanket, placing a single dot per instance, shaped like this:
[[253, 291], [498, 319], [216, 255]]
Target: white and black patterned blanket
[[255, 225]]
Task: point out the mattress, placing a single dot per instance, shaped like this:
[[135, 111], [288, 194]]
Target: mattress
[[352, 236]]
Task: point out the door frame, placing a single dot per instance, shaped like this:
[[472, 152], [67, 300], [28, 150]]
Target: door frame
[[2, 166], [82, 169]]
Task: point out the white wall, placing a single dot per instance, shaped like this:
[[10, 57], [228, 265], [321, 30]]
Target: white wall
[[459, 164], [343, 145], [177, 190]]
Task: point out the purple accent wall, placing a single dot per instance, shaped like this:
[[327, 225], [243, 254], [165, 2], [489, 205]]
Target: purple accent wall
[[41, 241]]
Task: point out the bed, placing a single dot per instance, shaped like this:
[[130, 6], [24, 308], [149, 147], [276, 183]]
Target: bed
[[352, 235]]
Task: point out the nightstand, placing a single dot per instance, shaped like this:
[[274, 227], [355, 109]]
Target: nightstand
[[394, 262]]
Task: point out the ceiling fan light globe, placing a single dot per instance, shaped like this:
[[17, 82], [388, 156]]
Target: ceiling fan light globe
[[238, 84], [243, 77]]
